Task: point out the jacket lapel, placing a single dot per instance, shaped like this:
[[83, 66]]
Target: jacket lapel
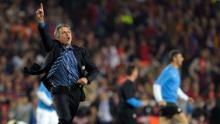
[[77, 55]]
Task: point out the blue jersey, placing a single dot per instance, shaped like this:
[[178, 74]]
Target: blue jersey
[[41, 104], [169, 80]]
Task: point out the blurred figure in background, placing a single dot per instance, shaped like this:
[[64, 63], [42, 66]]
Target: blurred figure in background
[[23, 110], [45, 112], [167, 89], [105, 107], [128, 102], [200, 70]]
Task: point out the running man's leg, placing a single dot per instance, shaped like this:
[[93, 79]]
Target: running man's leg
[[181, 118], [164, 120]]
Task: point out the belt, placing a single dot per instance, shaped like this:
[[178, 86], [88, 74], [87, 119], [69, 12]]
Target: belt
[[66, 88]]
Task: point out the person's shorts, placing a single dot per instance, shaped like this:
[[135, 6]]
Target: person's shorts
[[169, 110]]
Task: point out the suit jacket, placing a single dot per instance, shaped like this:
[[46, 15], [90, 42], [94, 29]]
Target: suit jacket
[[53, 47]]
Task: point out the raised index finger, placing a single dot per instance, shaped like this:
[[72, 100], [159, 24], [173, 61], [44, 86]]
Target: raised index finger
[[41, 6]]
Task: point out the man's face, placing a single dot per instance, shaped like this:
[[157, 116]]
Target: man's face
[[178, 60], [65, 36], [135, 73]]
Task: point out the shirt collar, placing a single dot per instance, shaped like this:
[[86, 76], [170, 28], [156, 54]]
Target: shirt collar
[[67, 47]]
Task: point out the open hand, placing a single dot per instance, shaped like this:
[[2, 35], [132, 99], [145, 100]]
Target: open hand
[[145, 102], [162, 103], [190, 100]]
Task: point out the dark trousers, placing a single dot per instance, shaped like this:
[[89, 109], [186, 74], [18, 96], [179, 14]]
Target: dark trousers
[[66, 102], [214, 116], [126, 116]]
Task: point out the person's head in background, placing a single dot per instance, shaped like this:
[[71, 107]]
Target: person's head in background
[[132, 72], [205, 53], [176, 58], [63, 34]]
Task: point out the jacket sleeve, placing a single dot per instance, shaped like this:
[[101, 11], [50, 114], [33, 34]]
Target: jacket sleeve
[[45, 37], [90, 67]]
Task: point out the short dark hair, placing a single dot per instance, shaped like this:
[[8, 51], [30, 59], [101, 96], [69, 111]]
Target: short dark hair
[[130, 69], [173, 53]]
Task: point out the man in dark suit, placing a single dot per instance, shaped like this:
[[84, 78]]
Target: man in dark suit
[[67, 68]]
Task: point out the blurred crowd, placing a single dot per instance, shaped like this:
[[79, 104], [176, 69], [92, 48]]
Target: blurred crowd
[[116, 32]]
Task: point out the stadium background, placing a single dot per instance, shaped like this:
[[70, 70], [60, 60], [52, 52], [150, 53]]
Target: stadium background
[[116, 32]]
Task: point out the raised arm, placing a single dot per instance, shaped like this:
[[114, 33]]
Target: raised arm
[[45, 37]]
